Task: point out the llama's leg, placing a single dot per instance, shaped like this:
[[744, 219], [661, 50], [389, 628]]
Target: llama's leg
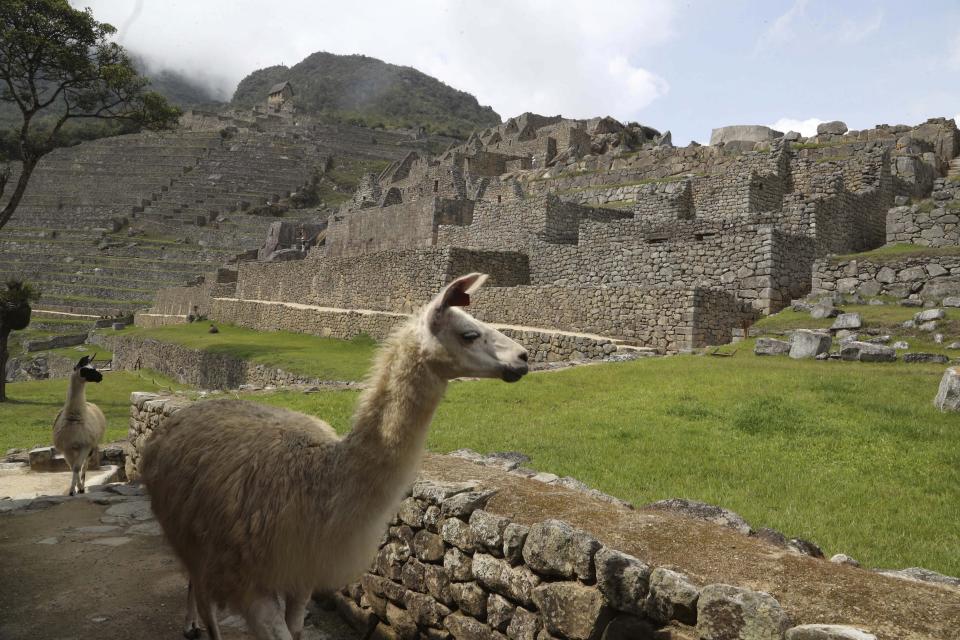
[[296, 609], [191, 624], [265, 619], [208, 612], [82, 487], [75, 481]]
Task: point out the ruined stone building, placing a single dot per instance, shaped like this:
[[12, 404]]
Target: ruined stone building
[[280, 98]]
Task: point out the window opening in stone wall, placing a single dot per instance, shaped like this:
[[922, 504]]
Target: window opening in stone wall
[[656, 239], [499, 199], [436, 186], [700, 237]]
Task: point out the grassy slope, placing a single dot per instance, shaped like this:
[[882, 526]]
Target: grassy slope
[[323, 358], [27, 418], [893, 252], [850, 455]]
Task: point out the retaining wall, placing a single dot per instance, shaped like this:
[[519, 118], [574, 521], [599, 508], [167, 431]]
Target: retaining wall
[[933, 277]]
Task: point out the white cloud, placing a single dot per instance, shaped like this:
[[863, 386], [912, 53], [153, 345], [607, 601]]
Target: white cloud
[[806, 128], [855, 31], [783, 29], [551, 56]]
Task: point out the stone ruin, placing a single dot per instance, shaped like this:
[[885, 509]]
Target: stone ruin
[[603, 237]]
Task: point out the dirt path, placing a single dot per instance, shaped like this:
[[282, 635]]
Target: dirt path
[[81, 570]]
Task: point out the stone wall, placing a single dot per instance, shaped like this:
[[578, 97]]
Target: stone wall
[[933, 223], [400, 281], [933, 277], [491, 553], [203, 369]]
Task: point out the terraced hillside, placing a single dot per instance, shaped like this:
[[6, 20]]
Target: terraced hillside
[[105, 224]]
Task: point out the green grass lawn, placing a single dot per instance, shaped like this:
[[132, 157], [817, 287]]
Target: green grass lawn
[[894, 252], [26, 419], [324, 358], [851, 455]]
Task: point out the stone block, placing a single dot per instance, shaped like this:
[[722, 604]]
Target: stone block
[[623, 580], [488, 530], [402, 622], [771, 347], [466, 628], [470, 598], [948, 395], [867, 352], [725, 612], [516, 583], [499, 612], [514, 537], [672, 597], [458, 533], [428, 547], [462, 505], [572, 610], [524, 625], [411, 512], [424, 610], [805, 343], [847, 321], [951, 301], [555, 549], [436, 492], [835, 127], [934, 358], [928, 315], [459, 565]]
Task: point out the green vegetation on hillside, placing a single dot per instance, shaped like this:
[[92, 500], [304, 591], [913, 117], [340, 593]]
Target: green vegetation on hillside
[[851, 455], [892, 252], [27, 416], [324, 358], [364, 91]]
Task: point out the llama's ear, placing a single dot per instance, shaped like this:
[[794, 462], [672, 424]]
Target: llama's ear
[[457, 293], [84, 361]]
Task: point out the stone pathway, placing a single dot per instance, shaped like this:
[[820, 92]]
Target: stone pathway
[[96, 566]]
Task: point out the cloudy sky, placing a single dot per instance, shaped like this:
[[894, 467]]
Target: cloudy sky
[[684, 66]]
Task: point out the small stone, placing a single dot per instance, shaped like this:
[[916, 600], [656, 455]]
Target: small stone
[[951, 302], [424, 610], [900, 344], [464, 504], [436, 492], [413, 575], [514, 537], [402, 622], [458, 533], [524, 625], [465, 628], [948, 395], [49, 541], [823, 310], [828, 632], [110, 542], [929, 314], [842, 558], [935, 358], [411, 512], [151, 528], [97, 529], [499, 612], [516, 583], [928, 326], [428, 547], [867, 352]]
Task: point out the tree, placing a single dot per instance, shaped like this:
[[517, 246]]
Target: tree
[[14, 316], [58, 66]]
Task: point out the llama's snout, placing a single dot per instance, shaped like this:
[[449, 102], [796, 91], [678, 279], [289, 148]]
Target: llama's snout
[[517, 368]]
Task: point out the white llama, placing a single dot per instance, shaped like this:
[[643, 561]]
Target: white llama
[[80, 425], [265, 506]]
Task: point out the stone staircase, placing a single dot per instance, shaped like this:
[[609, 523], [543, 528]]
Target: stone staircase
[[953, 173]]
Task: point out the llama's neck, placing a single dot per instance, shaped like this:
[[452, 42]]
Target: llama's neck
[[76, 395], [391, 422]]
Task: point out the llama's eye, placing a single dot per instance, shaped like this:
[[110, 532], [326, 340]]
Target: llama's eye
[[470, 336]]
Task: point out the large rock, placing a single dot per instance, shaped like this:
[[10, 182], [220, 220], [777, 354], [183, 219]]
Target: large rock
[[771, 347], [725, 612], [917, 356], [948, 396], [828, 632], [572, 610], [847, 321], [744, 133], [555, 549], [672, 597], [623, 579], [823, 310], [809, 344], [835, 127], [867, 352], [929, 314]]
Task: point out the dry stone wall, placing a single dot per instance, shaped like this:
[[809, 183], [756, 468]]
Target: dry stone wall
[[933, 277], [931, 224]]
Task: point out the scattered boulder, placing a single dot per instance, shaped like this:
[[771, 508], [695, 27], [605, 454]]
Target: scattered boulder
[[847, 321], [834, 127], [937, 358], [929, 314], [920, 574], [900, 344], [771, 347], [823, 309], [725, 612], [952, 301], [948, 396], [867, 352], [805, 343]]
